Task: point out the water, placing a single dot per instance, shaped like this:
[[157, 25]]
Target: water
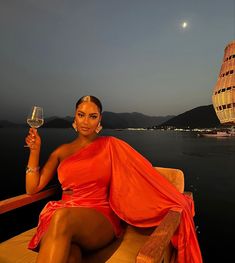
[[208, 165]]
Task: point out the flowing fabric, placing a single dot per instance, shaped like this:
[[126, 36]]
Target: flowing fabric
[[111, 177], [142, 197]]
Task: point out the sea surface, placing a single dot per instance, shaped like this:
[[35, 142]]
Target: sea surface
[[208, 165]]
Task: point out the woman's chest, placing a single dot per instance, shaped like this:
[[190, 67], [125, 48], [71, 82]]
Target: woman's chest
[[87, 167]]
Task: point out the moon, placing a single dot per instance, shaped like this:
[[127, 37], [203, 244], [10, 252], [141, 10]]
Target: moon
[[184, 24]]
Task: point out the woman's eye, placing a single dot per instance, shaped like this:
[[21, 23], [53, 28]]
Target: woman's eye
[[80, 115], [93, 116]]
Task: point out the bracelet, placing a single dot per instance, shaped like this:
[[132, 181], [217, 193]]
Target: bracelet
[[32, 170]]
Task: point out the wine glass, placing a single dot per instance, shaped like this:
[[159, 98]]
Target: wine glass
[[35, 118]]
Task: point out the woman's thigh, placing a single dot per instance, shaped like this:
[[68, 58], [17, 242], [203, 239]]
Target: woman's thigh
[[89, 228]]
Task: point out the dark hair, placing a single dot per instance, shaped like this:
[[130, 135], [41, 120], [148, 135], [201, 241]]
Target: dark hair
[[91, 99]]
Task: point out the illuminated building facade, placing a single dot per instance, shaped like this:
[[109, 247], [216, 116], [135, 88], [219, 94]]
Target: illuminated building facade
[[223, 97]]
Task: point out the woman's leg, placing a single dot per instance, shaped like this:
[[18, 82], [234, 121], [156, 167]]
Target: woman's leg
[[75, 255], [86, 227]]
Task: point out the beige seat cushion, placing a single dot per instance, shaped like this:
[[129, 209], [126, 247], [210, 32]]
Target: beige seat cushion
[[15, 249]]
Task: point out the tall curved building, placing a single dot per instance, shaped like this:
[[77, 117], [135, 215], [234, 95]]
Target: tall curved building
[[223, 97]]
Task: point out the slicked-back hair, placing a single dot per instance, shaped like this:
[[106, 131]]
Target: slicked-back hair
[[90, 99]]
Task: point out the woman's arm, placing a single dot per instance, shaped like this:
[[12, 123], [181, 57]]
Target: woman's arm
[[37, 179]]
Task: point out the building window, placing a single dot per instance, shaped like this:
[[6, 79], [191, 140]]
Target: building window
[[229, 88], [226, 73], [224, 107], [223, 90], [229, 106]]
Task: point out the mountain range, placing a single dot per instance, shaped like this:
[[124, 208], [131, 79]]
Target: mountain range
[[111, 120], [200, 117]]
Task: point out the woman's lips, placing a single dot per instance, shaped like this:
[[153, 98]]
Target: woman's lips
[[85, 128]]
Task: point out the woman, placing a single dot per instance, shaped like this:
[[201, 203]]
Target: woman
[[103, 180]]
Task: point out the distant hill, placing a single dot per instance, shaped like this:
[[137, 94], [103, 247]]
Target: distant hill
[[9, 124], [111, 120], [200, 117]]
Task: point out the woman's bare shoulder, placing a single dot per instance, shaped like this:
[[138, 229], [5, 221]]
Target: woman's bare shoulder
[[63, 151]]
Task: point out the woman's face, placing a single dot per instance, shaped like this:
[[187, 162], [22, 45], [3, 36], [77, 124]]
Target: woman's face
[[87, 118]]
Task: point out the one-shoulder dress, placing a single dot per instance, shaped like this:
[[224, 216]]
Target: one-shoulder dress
[[110, 176]]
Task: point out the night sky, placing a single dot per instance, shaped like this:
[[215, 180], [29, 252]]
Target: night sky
[[134, 55]]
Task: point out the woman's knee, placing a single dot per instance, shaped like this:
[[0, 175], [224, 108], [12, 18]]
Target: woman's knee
[[60, 222]]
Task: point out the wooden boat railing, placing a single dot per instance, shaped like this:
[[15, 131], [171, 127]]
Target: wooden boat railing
[[154, 248]]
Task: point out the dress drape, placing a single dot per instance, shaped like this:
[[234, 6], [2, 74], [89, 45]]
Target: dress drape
[[110, 176]]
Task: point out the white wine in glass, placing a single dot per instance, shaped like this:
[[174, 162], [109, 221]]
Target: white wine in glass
[[35, 118]]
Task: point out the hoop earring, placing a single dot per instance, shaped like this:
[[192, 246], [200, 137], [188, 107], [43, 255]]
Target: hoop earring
[[74, 126], [99, 128]]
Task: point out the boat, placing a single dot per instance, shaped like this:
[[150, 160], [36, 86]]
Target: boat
[[217, 134], [139, 245]]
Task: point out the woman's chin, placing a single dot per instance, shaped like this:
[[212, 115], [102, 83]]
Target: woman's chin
[[86, 132]]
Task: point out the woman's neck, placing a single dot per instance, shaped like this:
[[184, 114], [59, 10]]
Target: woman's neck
[[83, 140]]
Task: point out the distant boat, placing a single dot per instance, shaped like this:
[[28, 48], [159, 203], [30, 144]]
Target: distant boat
[[217, 134]]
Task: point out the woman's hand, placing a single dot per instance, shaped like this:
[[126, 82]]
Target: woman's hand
[[33, 139]]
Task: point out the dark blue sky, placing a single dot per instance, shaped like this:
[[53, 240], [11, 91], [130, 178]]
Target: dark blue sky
[[132, 54]]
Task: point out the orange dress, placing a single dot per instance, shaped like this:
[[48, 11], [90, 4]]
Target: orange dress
[[110, 176]]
